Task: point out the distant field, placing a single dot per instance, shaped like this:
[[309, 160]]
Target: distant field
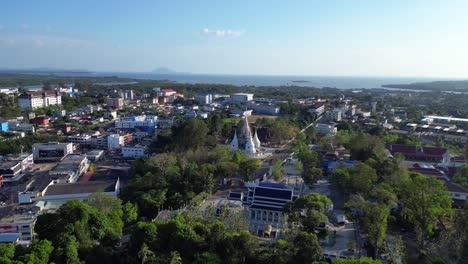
[[254, 118]]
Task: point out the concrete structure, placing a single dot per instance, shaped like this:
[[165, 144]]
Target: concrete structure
[[33, 100], [41, 121], [71, 167], [115, 141], [116, 103], [18, 126], [266, 109], [241, 98], [204, 98], [95, 155], [63, 192], [133, 151], [110, 115], [20, 224], [3, 126], [317, 108], [9, 90], [458, 193], [428, 154], [334, 115], [12, 166], [128, 95], [52, 151], [247, 141], [144, 123], [264, 204], [326, 129]]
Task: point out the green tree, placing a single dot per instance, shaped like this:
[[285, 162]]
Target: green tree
[[247, 168], [461, 176], [277, 171], [306, 248], [425, 201]]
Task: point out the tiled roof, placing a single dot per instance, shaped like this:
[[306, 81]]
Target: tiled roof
[[270, 208], [453, 187], [434, 151], [81, 187], [273, 193], [403, 148]]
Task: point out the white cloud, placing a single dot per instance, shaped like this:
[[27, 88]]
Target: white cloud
[[39, 42], [222, 33], [24, 26], [7, 41]]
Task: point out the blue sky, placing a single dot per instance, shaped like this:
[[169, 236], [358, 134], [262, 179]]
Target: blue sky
[[334, 37]]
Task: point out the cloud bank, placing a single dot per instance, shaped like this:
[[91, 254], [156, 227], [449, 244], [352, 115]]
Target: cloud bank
[[222, 33]]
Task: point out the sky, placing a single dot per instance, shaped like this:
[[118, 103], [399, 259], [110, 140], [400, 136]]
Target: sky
[[391, 38]]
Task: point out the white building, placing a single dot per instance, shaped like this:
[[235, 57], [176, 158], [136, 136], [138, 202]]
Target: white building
[[52, 151], [264, 204], [333, 115], [133, 151], [115, 141], [266, 109], [326, 129], [317, 108], [204, 98], [33, 100], [80, 139], [144, 123], [247, 141], [18, 126], [9, 90], [239, 98]]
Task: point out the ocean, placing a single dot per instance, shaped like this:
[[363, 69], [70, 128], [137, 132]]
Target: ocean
[[263, 80]]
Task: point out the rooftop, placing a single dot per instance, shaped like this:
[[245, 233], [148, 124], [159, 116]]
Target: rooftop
[[81, 187]]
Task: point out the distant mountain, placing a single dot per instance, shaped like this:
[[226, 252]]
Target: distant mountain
[[461, 86], [164, 70], [167, 71], [43, 70]]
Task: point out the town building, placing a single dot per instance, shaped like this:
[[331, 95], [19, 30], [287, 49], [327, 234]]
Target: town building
[[110, 115], [71, 167], [458, 193], [9, 90], [18, 227], [143, 123], [266, 110], [204, 98], [317, 108], [41, 121], [247, 141], [18, 126], [116, 103], [34, 100], [95, 155], [13, 166], [241, 98], [52, 151], [62, 192], [3, 126], [326, 128], [115, 141], [334, 115], [133, 151], [264, 204], [427, 154]]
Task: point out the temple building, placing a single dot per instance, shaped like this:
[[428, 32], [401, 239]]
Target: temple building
[[246, 141]]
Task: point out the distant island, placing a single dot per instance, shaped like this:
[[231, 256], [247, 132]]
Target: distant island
[[166, 71], [300, 81], [457, 86]]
